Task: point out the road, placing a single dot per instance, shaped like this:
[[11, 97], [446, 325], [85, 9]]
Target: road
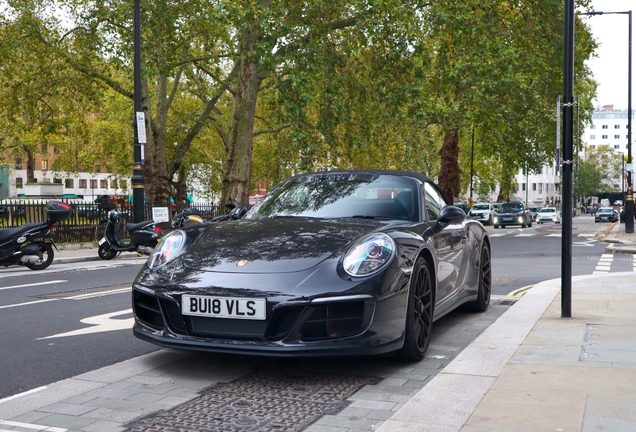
[[44, 331], [75, 318], [522, 257]]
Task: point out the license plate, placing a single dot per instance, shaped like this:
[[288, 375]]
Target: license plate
[[102, 241], [507, 219], [223, 307]]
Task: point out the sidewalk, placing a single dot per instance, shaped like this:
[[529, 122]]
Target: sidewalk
[[531, 370], [534, 371], [78, 252]]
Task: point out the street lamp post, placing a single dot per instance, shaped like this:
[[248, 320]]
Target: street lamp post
[[137, 179], [568, 118], [629, 199]]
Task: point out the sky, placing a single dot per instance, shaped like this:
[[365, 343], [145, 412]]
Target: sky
[[610, 67]]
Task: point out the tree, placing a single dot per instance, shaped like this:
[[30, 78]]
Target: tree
[[596, 172]]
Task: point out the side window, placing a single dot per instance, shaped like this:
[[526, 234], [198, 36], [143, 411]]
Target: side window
[[434, 201]]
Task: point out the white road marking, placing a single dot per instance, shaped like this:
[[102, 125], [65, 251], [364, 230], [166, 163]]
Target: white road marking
[[604, 264], [99, 294], [15, 396], [33, 284], [27, 303], [101, 323]]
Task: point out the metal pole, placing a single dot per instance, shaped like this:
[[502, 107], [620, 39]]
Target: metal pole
[[472, 156], [568, 110], [526, 169], [629, 204], [139, 124]]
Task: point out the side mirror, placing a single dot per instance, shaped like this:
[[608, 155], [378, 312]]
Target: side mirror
[[451, 215]]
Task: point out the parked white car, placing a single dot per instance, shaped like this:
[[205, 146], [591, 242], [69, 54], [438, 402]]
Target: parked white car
[[483, 212], [548, 214]]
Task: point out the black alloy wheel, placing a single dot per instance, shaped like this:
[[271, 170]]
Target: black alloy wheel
[[419, 313], [106, 252], [484, 289], [46, 251]]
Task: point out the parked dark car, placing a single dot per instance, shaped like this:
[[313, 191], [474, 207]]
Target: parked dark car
[[605, 214], [534, 211], [329, 263], [512, 213]]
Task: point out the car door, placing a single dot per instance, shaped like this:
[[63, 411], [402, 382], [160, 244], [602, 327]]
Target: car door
[[449, 244]]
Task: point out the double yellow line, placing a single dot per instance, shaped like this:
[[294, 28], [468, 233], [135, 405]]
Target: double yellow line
[[519, 292]]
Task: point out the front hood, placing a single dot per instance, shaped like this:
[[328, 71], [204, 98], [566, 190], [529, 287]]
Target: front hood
[[277, 245], [510, 214]]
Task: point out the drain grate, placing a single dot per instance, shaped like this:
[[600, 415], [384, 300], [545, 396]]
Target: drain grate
[[84, 293], [266, 400]]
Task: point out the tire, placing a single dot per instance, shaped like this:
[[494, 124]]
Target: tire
[[530, 224], [496, 226], [47, 257], [106, 252], [419, 313], [484, 289]]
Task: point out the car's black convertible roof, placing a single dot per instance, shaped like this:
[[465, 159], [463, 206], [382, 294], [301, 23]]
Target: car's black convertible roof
[[416, 175]]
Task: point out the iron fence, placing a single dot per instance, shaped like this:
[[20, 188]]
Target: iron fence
[[88, 220]]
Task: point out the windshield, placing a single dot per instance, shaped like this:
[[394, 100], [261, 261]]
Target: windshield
[[606, 210], [341, 195], [511, 207], [547, 210], [481, 207]]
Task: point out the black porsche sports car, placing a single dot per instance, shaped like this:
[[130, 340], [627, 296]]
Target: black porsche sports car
[[328, 263]]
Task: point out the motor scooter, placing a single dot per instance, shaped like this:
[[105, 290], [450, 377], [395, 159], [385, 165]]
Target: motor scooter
[[32, 244], [143, 236]]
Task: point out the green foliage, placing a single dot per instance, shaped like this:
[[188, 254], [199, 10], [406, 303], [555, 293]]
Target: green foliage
[[598, 172], [350, 84]]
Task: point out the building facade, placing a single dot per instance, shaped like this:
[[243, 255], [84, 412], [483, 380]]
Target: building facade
[[83, 184]]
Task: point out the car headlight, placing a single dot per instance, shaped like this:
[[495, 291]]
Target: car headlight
[[369, 255], [167, 249]]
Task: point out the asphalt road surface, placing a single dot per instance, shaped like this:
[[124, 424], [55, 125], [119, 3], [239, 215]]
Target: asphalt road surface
[[74, 318]]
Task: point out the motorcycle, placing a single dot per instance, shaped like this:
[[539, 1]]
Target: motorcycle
[[143, 236], [186, 217], [236, 211], [32, 244]]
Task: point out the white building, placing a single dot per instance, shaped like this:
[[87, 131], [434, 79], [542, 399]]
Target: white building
[[609, 127]]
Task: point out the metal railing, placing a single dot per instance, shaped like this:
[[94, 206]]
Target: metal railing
[[87, 220]]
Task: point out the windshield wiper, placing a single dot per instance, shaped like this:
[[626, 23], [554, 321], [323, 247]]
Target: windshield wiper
[[362, 217]]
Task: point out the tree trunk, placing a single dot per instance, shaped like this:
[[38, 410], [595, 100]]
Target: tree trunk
[[505, 183], [30, 170], [449, 175], [236, 182]]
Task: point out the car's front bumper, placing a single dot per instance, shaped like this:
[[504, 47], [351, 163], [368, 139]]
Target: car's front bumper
[[268, 348], [347, 319], [508, 220], [483, 217]]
